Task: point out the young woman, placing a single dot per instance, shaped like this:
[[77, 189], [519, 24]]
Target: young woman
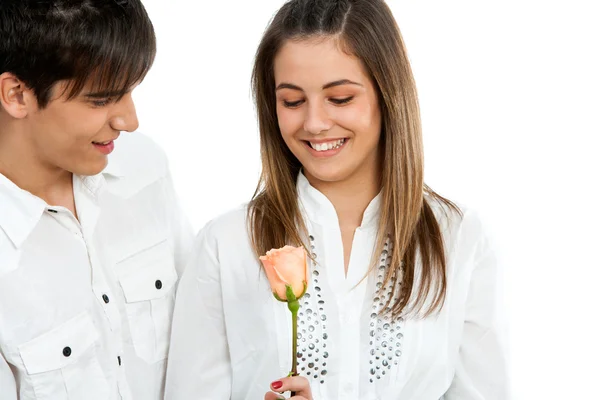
[[403, 301]]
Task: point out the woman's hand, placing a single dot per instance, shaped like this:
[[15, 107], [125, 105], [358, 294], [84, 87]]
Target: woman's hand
[[297, 384]]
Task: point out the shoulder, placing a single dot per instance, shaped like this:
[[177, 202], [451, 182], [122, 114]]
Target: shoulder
[[224, 237], [226, 229], [463, 228], [138, 154], [137, 162], [453, 217]]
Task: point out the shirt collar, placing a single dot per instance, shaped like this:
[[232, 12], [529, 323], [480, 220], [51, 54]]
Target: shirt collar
[[114, 168], [317, 207], [20, 212]]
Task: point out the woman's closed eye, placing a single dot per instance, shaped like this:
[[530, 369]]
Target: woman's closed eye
[[292, 104], [341, 101], [338, 101]]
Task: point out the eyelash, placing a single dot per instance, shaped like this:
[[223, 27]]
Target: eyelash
[[292, 104], [101, 103], [338, 102]]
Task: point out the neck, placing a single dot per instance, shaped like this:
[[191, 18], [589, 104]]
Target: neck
[[20, 163], [352, 196]]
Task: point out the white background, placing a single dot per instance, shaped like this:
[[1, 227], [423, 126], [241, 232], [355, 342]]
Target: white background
[[510, 97]]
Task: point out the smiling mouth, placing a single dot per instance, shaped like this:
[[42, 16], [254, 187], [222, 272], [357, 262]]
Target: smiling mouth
[[326, 146], [103, 143]]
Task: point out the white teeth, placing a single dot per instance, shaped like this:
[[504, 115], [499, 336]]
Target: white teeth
[[328, 146]]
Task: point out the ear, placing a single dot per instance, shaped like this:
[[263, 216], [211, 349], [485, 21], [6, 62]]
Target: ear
[[15, 97]]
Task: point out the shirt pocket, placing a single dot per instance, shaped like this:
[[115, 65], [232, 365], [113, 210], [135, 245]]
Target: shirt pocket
[[148, 279], [63, 364]]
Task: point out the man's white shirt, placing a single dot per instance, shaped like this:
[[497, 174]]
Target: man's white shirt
[[86, 304]]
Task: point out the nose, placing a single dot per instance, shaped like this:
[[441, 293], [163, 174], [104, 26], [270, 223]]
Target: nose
[[125, 116], [317, 120]]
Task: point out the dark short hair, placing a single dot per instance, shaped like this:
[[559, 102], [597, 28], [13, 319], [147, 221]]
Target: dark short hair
[[107, 44]]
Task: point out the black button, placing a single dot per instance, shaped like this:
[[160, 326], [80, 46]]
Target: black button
[[119, 359], [52, 211], [105, 298], [67, 351], [158, 284]]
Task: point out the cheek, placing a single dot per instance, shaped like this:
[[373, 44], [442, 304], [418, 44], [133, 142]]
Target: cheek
[[74, 125], [92, 123], [370, 120], [373, 126], [290, 122], [362, 120]]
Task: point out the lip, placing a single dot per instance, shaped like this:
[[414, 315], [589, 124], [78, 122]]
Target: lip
[[319, 141], [106, 140], [105, 148], [326, 153]]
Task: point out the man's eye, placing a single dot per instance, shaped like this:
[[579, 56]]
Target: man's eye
[[292, 104], [101, 102], [341, 101]]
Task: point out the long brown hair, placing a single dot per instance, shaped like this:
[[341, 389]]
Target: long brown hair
[[367, 30]]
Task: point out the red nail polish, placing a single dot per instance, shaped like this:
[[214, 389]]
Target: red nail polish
[[277, 385]]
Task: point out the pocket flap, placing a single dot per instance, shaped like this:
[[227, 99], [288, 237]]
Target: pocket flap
[[149, 274], [59, 347]]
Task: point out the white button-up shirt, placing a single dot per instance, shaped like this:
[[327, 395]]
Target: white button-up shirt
[[231, 338], [86, 305]]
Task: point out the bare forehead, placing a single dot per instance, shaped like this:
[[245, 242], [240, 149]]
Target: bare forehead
[[316, 61]]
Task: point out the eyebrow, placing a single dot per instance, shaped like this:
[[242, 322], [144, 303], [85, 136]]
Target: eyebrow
[[326, 86], [105, 94], [341, 82]]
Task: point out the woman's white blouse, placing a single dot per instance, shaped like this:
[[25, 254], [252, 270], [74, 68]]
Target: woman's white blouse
[[231, 338]]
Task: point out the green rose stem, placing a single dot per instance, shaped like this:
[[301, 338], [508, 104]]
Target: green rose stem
[[293, 306]]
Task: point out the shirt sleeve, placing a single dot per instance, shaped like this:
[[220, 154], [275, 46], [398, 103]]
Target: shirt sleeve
[[8, 388], [199, 363], [481, 372]]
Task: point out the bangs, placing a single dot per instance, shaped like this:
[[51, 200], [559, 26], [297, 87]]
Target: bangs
[[115, 72], [116, 56]]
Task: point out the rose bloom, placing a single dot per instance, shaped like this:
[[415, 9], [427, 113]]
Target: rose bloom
[[286, 267]]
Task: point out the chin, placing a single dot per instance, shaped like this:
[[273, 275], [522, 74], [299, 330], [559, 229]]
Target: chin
[[89, 168], [331, 174]]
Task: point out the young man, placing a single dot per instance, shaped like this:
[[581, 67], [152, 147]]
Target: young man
[[90, 254]]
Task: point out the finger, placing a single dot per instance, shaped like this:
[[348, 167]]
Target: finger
[[274, 396], [298, 384]]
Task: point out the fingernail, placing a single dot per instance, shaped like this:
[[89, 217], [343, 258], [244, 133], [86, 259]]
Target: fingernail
[[277, 385]]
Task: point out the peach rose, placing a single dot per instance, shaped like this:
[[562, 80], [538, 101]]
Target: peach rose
[[286, 267]]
